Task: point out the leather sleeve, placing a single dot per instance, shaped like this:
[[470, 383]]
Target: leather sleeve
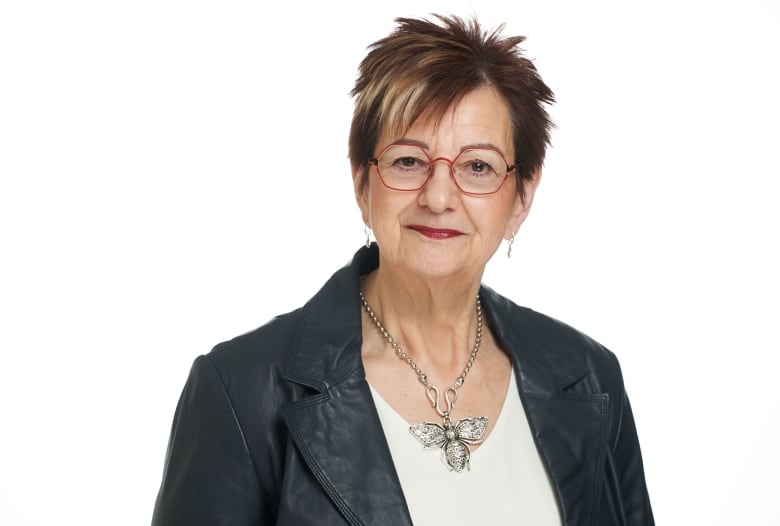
[[209, 477], [628, 493]]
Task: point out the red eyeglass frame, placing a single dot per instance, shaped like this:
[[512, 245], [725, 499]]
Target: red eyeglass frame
[[374, 161]]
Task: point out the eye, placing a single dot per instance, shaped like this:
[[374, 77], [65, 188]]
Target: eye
[[406, 165], [475, 168], [404, 161], [407, 162], [479, 166]]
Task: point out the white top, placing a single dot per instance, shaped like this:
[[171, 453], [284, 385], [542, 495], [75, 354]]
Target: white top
[[507, 483]]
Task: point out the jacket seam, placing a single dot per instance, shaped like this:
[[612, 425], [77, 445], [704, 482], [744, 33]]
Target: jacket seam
[[297, 331], [619, 417], [605, 401], [235, 420]]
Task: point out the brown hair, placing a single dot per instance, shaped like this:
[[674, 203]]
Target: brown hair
[[421, 69]]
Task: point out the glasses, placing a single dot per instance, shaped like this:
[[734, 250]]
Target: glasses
[[475, 171]]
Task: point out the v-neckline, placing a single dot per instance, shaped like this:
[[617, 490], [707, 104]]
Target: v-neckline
[[401, 421]]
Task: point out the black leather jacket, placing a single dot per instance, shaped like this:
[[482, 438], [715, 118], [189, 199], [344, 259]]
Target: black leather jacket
[[278, 426]]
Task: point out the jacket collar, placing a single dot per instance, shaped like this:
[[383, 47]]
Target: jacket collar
[[339, 433]]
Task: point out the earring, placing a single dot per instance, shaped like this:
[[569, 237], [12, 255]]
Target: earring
[[509, 246], [368, 235]]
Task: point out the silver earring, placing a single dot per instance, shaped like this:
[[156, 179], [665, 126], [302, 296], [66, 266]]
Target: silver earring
[[368, 235], [509, 246]]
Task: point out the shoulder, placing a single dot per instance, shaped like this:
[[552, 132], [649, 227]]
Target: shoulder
[[247, 371], [244, 378], [251, 367], [552, 345], [263, 348], [568, 341]]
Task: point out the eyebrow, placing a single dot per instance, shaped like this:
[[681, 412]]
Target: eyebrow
[[421, 144]]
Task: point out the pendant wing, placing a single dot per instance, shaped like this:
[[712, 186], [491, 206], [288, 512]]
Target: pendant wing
[[456, 455], [472, 429], [429, 434]]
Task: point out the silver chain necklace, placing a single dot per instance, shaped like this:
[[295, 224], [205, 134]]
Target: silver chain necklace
[[453, 439]]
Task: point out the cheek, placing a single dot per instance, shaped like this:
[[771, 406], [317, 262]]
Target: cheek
[[494, 214], [380, 208]]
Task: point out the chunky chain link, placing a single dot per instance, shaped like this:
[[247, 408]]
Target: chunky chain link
[[431, 390]]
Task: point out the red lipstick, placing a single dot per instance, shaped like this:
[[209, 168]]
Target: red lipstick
[[436, 233]]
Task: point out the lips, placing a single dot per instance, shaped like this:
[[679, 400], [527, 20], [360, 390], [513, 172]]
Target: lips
[[436, 233]]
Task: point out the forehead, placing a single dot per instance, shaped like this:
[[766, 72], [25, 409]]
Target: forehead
[[479, 117]]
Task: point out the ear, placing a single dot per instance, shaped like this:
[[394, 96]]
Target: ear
[[521, 207], [361, 194]]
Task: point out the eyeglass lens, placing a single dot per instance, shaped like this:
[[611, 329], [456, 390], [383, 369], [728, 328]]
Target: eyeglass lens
[[407, 167]]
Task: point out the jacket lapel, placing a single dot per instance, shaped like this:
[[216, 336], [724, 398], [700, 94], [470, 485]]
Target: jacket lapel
[[569, 425], [337, 429], [338, 432]]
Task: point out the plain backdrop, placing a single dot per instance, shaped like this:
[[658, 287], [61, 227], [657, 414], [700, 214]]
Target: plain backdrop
[[175, 173]]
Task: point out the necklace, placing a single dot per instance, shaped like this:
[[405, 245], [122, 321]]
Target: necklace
[[452, 438]]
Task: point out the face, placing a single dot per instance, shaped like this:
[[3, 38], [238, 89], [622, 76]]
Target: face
[[438, 231]]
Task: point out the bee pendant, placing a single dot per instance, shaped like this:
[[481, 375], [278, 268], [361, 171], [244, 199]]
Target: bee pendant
[[454, 439]]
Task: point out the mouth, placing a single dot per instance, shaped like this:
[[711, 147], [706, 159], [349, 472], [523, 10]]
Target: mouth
[[436, 233]]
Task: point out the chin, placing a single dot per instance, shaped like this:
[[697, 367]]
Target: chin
[[435, 264]]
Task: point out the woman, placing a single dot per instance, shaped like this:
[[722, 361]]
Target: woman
[[405, 391]]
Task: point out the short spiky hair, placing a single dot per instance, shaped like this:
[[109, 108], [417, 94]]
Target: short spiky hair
[[422, 68]]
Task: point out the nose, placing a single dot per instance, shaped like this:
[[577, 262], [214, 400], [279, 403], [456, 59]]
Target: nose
[[439, 193]]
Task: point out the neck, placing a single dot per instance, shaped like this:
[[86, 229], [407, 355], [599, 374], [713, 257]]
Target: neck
[[434, 320]]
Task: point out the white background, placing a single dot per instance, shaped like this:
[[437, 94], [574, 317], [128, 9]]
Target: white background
[[174, 173]]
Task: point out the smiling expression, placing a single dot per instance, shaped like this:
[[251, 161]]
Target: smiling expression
[[439, 231]]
